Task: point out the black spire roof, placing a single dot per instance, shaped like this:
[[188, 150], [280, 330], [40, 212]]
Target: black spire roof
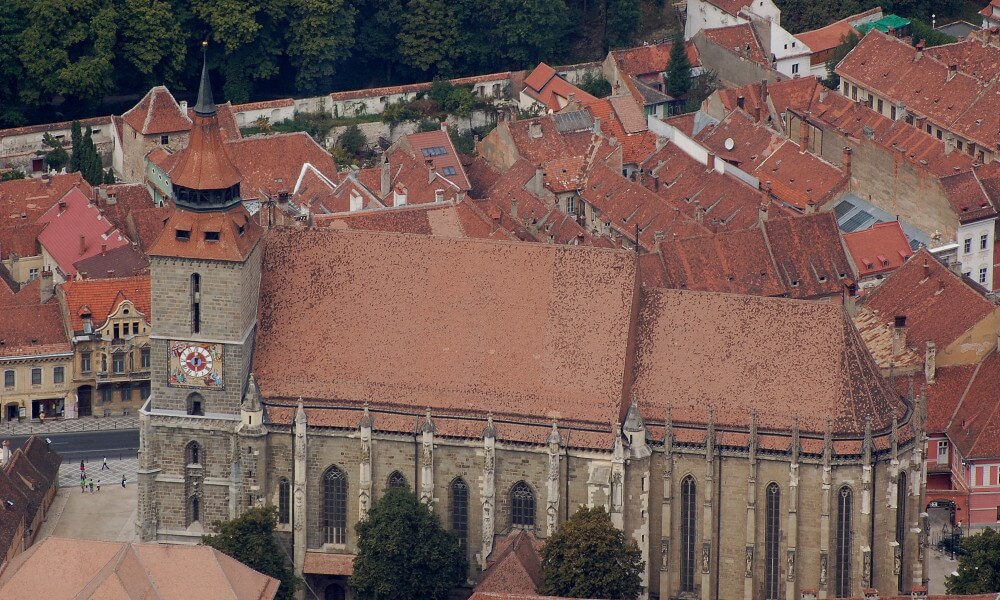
[[206, 104]]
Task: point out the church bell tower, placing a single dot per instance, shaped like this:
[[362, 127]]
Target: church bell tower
[[205, 275]]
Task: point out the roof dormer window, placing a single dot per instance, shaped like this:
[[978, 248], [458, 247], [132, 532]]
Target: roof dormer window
[[212, 236], [183, 235]]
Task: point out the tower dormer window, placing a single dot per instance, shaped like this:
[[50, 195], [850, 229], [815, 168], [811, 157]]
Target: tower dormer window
[[212, 236], [183, 235], [195, 302]]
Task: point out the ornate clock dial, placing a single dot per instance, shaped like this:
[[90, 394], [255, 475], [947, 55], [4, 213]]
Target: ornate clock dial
[[196, 361]]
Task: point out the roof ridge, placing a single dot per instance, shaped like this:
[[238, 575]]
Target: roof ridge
[[111, 566], [965, 392]]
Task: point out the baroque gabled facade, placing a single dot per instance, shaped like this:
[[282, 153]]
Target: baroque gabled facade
[[748, 445]]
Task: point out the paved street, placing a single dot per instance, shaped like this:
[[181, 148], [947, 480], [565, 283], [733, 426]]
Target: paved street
[[118, 446], [106, 515]]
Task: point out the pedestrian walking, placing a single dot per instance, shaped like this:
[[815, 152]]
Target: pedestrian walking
[[123, 482], [98, 485], [83, 485], [82, 468], [91, 483], [105, 465]]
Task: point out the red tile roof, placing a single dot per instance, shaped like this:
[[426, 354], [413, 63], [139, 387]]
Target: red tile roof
[[446, 219], [752, 346], [551, 90], [515, 566], [429, 145], [443, 339], [20, 239], [157, 112], [740, 40], [272, 163], [77, 232], [102, 297], [800, 179], [880, 249], [939, 306], [623, 120], [123, 261], [541, 75], [32, 329], [975, 428], [809, 254], [282, 103], [204, 164], [963, 101], [651, 58], [736, 262], [752, 142], [733, 7], [831, 36], [238, 235], [33, 196]]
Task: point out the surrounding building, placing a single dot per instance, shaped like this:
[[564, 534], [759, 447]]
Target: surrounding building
[[825, 41], [950, 91], [991, 15], [75, 230], [109, 321], [29, 480], [547, 91], [124, 571], [642, 72], [877, 251]]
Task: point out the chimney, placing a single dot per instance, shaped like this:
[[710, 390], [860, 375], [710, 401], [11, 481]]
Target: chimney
[[62, 206], [386, 180], [5, 456], [930, 362], [871, 594], [356, 203], [399, 195], [952, 71], [597, 127], [850, 298], [439, 195], [571, 97], [444, 126], [763, 91], [104, 248], [111, 273], [810, 207], [898, 336], [918, 592], [823, 92], [535, 129], [803, 134], [949, 144], [809, 594], [927, 269], [656, 182], [699, 212], [920, 50], [429, 163], [845, 163], [710, 162], [762, 213], [537, 183], [660, 143], [741, 102], [184, 107], [513, 208], [47, 286], [83, 243]]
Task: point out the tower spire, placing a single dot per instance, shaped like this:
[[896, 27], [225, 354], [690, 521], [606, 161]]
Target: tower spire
[[206, 104]]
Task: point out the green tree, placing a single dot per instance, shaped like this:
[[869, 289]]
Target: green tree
[[76, 146], [594, 83], [589, 543], [378, 23], [67, 49], [623, 17], [151, 39], [12, 174], [704, 85], [11, 72], [847, 43], [462, 103], [251, 34], [678, 77], [320, 33], [428, 37], [352, 140], [922, 31], [249, 539], [109, 177], [90, 160], [404, 553], [57, 157], [531, 31], [979, 569]]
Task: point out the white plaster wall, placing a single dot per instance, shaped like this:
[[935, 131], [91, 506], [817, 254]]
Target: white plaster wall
[[977, 258]]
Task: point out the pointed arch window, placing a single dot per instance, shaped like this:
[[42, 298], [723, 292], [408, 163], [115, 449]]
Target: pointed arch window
[[772, 533], [334, 506], [193, 454], [901, 524], [522, 505], [284, 500], [194, 509], [195, 302], [689, 531], [396, 480], [460, 511], [842, 581]]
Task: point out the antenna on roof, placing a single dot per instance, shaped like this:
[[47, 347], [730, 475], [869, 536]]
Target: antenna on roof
[[206, 104], [730, 144]]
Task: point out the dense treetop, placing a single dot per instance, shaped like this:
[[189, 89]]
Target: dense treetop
[[60, 58]]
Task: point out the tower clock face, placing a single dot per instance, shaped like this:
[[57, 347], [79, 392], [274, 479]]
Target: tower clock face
[[196, 361], [195, 365]]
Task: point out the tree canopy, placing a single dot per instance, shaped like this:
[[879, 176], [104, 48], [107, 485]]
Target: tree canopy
[[404, 553], [678, 74], [589, 543], [249, 539], [979, 568]]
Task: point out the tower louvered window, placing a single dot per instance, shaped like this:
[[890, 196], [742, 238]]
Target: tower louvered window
[[689, 491], [842, 581], [772, 536], [334, 506], [460, 511]]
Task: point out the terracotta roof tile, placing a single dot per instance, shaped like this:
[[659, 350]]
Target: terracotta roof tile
[[102, 297], [975, 428], [145, 225], [123, 261], [541, 75], [238, 235], [515, 566], [77, 231], [204, 164], [809, 254], [327, 563], [32, 329], [282, 103], [20, 239], [800, 178], [879, 249], [939, 306], [739, 39], [436, 146], [157, 112], [831, 36], [444, 354], [752, 347], [551, 90], [735, 262], [651, 58], [752, 142], [272, 163], [122, 571], [968, 197], [446, 219], [32, 197]]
